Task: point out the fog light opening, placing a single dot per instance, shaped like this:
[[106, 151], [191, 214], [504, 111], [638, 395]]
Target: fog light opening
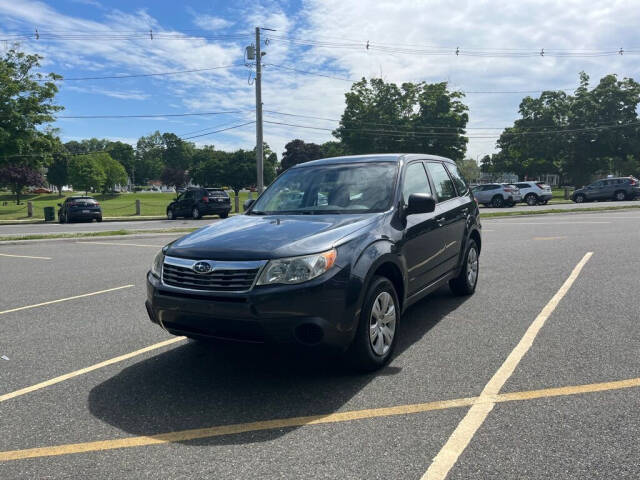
[[309, 333]]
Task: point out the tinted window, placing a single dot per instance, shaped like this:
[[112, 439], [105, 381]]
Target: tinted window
[[461, 185], [415, 181], [441, 181], [522, 185], [217, 193]]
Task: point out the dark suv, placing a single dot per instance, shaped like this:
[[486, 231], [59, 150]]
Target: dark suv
[[330, 254], [81, 208], [622, 188], [195, 202]]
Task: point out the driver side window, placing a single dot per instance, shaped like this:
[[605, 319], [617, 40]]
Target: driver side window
[[415, 181]]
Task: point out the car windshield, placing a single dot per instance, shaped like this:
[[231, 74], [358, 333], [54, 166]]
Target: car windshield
[[216, 193], [354, 188]]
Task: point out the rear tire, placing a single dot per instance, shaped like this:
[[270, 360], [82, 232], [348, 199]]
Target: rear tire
[[531, 199], [224, 215], [195, 213], [497, 201], [98, 219], [466, 281], [620, 196], [377, 332]]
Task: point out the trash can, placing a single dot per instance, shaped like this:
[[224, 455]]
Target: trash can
[[49, 214]]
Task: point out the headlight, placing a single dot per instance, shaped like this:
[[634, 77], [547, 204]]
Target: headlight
[[297, 269], [156, 266]]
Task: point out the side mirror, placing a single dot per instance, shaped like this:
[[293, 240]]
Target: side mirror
[[420, 203], [248, 203]]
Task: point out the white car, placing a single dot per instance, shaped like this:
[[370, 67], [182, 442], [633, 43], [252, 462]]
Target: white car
[[535, 193]]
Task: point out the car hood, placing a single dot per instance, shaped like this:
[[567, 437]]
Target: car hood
[[252, 237]]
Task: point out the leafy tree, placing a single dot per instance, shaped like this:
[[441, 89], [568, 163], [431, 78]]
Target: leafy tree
[[18, 176], [86, 172], [297, 151], [382, 117], [58, 171], [469, 169], [174, 177], [592, 132], [26, 104], [209, 167], [123, 153], [148, 163], [333, 149], [114, 172]]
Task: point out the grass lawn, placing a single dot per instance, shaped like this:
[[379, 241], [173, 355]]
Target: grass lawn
[[118, 205]]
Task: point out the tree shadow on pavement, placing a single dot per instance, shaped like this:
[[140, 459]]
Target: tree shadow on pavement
[[197, 385]]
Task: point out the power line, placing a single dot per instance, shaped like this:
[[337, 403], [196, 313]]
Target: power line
[[218, 131], [307, 72], [137, 75], [152, 115]]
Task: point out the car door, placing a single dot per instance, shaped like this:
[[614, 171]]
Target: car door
[[451, 215], [185, 204], [421, 246], [594, 191]]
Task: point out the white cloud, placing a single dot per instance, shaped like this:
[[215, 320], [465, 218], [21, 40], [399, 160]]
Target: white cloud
[[528, 24], [210, 22]]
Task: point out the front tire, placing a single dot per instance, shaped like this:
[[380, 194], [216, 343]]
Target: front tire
[[98, 219], [579, 198], [377, 332], [170, 214], [466, 281]]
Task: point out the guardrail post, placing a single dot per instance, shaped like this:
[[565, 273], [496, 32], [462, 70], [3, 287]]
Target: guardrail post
[[566, 193], [29, 209], [236, 201], [137, 206], [250, 196]]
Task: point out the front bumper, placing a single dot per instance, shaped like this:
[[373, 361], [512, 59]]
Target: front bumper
[[319, 313]]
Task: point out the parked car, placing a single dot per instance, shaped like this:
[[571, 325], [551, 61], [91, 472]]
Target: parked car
[[81, 208], [497, 195], [535, 193], [335, 273], [620, 188], [195, 202], [40, 190]]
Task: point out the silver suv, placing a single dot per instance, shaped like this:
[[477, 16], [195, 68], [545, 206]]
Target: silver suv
[[497, 195], [535, 193]]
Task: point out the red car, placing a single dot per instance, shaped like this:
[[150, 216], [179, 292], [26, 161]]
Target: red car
[[40, 190]]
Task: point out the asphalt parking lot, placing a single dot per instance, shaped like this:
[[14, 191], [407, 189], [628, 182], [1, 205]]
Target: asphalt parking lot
[[535, 376]]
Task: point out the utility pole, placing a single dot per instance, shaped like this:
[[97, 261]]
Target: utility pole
[[259, 143]]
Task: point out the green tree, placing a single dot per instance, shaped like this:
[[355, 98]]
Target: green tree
[[148, 162], [382, 117], [123, 153], [26, 106], [114, 172], [333, 149], [58, 171], [86, 172], [469, 169], [297, 151], [209, 165]]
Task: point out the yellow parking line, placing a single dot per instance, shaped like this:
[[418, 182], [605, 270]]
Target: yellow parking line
[[221, 430], [24, 256], [64, 299], [82, 371], [124, 244], [475, 417]]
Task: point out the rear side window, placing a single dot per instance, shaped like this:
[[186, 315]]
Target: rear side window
[[522, 185], [415, 181], [441, 181], [458, 181]]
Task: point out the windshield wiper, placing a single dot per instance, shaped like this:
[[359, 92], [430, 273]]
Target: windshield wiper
[[256, 212]]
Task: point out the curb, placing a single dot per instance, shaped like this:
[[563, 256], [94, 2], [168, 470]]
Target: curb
[[90, 239]]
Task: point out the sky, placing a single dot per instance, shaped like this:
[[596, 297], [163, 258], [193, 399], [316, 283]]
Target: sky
[[317, 49]]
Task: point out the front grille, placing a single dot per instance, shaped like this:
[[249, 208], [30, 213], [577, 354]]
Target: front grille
[[220, 280]]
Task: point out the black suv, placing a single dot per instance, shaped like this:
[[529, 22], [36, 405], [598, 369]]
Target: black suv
[[330, 254], [79, 208], [622, 188], [195, 202]]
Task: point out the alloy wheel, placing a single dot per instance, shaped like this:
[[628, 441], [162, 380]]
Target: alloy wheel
[[382, 323], [472, 266]]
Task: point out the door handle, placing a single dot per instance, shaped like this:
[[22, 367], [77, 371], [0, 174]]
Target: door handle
[[441, 219], [465, 210]]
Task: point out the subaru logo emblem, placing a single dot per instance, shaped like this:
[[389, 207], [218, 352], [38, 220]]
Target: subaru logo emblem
[[202, 267]]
